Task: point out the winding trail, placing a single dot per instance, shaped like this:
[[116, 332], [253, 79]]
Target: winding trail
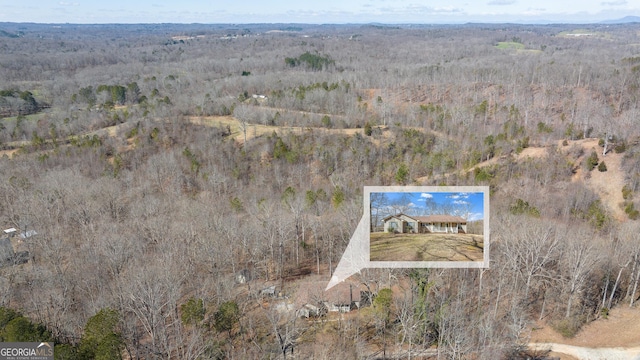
[[585, 353]]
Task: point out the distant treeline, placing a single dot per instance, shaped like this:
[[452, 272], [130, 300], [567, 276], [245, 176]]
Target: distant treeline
[[314, 62], [15, 102]]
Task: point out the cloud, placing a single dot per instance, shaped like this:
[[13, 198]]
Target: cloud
[[461, 202], [422, 10], [459, 196], [614, 3], [64, 3], [317, 14], [426, 195], [447, 9], [475, 216], [411, 204], [502, 2], [534, 11]]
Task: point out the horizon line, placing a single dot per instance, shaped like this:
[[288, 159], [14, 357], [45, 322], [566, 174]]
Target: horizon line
[[620, 21]]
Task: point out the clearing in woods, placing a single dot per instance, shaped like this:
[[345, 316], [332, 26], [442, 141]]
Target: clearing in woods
[[257, 130], [607, 185]]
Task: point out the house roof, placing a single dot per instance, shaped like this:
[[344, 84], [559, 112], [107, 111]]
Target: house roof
[[398, 216], [441, 218], [313, 293], [28, 234], [430, 218], [392, 216]]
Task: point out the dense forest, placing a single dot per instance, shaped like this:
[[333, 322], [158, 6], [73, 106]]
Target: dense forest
[[161, 177]]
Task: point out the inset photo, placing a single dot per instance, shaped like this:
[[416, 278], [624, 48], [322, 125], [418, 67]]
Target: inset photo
[[440, 225]]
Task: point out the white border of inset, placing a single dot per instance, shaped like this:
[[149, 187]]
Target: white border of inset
[[357, 254], [431, 189]]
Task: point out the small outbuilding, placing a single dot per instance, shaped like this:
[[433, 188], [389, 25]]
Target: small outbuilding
[[28, 234], [268, 291], [10, 232]]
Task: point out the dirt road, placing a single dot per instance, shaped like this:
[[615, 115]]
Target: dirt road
[[585, 353]]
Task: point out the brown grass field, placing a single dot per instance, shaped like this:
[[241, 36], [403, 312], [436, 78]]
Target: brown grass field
[[426, 247]]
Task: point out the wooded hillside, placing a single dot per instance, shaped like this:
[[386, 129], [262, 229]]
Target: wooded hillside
[[158, 162]]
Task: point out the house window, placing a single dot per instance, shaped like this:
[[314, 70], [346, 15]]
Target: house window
[[410, 226]]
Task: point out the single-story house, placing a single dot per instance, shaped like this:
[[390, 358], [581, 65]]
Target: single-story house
[[403, 223], [312, 300]]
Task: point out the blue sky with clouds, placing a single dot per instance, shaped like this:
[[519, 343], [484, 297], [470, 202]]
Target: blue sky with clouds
[[326, 11], [469, 205]]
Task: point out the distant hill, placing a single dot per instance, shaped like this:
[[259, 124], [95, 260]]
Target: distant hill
[[4, 33], [624, 20]]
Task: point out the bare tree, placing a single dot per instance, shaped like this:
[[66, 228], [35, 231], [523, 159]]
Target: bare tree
[[578, 260], [532, 250], [152, 297], [242, 113], [377, 203], [285, 327]]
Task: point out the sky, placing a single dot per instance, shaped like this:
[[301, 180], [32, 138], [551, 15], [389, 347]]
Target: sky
[[471, 203], [315, 12]]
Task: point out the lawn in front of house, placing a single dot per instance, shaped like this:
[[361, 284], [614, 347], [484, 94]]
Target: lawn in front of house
[[426, 247]]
